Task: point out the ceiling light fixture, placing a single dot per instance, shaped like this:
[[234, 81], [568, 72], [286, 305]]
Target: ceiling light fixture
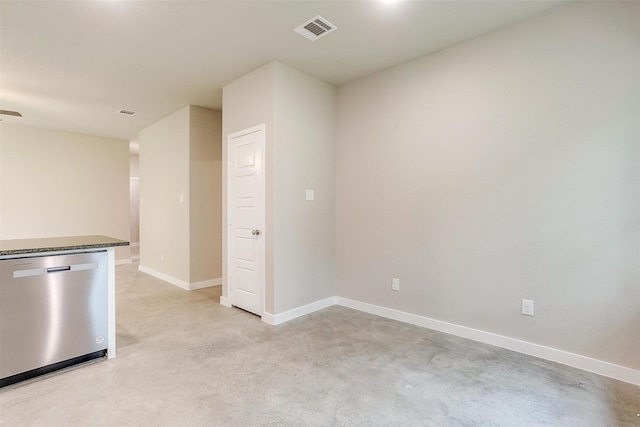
[[10, 113]]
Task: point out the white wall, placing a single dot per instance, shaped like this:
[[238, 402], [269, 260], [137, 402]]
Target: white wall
[[303, 153], [180, 241], [134, 197], [56, 183], [164, 176], [205, 188], [506, 167], [299, 113]]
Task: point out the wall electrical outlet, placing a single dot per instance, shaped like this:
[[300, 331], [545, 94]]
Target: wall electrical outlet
[[161, 256], [395, 285], [527, 307]]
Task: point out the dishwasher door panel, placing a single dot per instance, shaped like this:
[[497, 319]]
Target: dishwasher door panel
[[52, 309]]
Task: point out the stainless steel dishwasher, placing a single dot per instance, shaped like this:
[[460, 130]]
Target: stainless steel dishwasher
[[53, 313]]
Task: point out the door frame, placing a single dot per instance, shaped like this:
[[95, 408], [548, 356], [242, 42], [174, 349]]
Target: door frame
[[262, 217]]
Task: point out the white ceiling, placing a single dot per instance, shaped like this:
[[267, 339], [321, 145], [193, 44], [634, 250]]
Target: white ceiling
[[71, 65]]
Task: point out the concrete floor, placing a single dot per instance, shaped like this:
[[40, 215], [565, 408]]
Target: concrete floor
[[184, 360]]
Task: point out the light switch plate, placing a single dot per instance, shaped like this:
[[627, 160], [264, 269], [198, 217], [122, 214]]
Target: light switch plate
[[310, 195], [527, 307]]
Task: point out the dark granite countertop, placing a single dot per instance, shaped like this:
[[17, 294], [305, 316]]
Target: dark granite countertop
[[54, 244]]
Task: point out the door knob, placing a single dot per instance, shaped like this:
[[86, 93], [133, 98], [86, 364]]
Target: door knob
[[255, 232]]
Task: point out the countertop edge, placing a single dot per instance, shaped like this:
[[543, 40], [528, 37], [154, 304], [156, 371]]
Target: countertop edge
[[61, 248], [46, 245]]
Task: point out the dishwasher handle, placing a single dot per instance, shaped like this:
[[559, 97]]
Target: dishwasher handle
[[61, 268], [42, 271]]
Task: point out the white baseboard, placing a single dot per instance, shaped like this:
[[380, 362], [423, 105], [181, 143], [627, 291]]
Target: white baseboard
[[123, 261], [205, 284], [180, 283], [570, 359], [225, 301], [297, 312]]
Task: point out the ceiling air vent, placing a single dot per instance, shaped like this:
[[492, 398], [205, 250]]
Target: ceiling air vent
[[315, 28], [127, 112]]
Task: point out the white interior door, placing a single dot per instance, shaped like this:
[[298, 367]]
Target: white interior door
[[245, 217]]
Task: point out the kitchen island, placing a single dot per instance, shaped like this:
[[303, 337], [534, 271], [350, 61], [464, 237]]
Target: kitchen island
[[51, 289]]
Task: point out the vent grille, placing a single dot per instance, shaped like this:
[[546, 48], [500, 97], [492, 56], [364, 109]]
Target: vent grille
[[315, 28], [127, 112]]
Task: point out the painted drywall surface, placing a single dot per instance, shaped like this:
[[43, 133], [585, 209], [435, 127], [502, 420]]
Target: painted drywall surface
[[205, 188], [134, 209], [247, 102], [134, 165], [303, 230], [164, 176], [134, 197], [63, 184], [500, 169]]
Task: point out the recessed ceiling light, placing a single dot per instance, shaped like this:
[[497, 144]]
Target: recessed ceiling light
[[127, 112]]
